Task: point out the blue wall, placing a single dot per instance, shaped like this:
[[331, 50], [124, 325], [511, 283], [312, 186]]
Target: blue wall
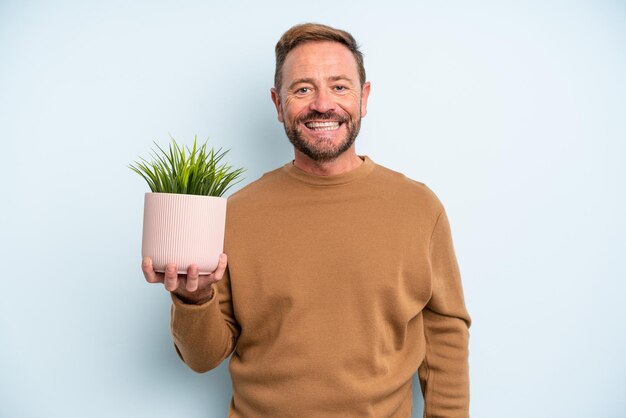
[[513, 112]]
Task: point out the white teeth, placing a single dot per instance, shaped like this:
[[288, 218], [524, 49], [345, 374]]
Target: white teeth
[[323, 126]]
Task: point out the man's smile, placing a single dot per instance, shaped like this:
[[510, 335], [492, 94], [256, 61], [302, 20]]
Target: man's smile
[[323, 126]]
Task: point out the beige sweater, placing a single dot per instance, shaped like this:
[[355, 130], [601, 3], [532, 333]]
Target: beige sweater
[[339, 289]]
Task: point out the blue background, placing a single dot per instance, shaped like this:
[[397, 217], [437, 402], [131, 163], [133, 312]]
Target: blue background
[[512, 112]]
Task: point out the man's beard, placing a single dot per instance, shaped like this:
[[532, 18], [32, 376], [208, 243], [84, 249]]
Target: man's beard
[[322, 150]]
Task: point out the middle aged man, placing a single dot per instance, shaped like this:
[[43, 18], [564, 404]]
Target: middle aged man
[[341, 280]]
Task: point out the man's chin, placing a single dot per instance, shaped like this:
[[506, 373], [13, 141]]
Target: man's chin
[[321, 154]]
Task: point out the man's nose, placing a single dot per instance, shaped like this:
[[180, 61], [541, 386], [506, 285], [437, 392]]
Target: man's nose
[[322, 102]]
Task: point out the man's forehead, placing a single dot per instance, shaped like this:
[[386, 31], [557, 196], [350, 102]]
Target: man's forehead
[[326, 56]]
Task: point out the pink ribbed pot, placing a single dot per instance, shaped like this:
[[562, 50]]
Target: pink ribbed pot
[[183, 229]]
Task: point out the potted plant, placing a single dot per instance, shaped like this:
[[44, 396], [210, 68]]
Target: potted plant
[[185, 214]]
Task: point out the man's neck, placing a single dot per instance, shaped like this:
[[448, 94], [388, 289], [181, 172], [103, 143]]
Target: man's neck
[[347, 161]]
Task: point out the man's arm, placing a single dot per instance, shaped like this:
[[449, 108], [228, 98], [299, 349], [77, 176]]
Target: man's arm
[[202, 321], [444, 374], [205, 334]]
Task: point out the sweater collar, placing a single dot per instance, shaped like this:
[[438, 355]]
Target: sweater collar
[[343, 178]]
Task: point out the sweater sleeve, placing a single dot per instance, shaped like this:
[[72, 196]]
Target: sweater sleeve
[[204, 335], [444, 374]]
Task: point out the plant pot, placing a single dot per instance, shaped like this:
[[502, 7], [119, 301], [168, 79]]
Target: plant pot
[[183, 229]]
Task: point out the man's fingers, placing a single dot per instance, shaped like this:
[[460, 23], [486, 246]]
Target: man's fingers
[[172, 280], [171, 277], [192, 278], [221, 267], [148, 271]]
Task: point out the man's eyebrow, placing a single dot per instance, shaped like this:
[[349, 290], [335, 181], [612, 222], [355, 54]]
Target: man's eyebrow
[[340, 78], [301, 81]]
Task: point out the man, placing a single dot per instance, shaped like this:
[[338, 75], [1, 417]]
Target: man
[[341, 280]]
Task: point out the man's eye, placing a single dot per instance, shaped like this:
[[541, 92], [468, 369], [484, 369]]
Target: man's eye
[[303, 90], [340, 88]]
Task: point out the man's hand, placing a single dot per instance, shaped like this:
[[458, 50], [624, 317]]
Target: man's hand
[[192, 287]]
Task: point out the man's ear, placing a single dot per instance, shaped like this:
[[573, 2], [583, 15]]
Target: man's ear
[[276, 100], [365, 94]]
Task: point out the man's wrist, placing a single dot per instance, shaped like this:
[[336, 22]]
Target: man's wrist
[[195, 298]]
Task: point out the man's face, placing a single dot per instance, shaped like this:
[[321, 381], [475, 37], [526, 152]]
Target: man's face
[[321, 101]]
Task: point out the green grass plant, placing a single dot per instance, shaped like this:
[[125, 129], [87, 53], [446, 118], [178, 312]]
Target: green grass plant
[[183, 170]]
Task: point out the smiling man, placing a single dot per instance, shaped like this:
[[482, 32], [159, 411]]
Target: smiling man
[[341, 280]]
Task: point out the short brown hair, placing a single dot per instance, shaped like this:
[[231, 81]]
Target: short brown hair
[[314, 32]]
